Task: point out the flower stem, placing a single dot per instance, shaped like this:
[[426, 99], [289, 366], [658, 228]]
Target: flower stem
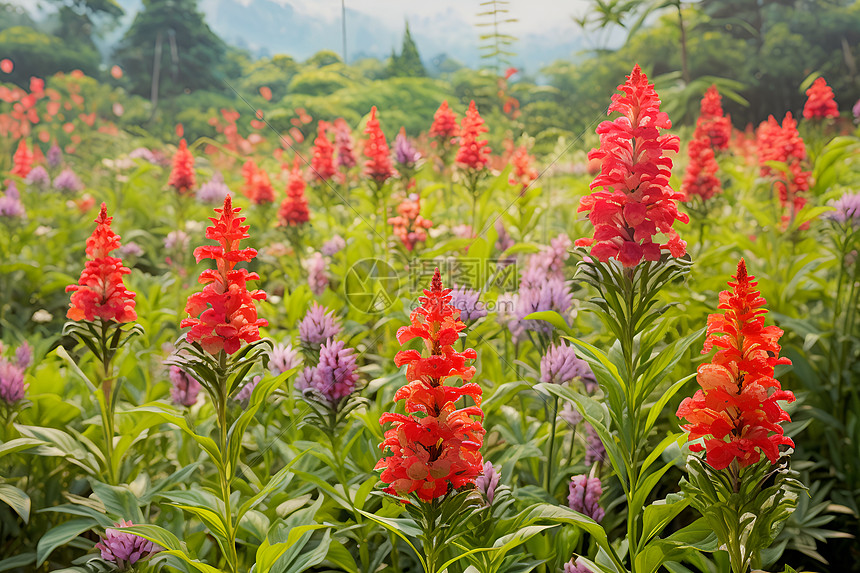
[[225, 471], [551, 450], [106, 403]]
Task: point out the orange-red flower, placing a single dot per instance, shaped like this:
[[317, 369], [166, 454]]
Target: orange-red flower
[[435, 447], [637, 201], [100, 292], [322, 162], [820, 103], [444, 123], [294, 209], [712, 124], [378, 165], [257, 187], [782, 143], [523, 173], [736, 411], [224, 313], [182, 178], [409, 226], [701, 178], [22, 160], [473, 153]]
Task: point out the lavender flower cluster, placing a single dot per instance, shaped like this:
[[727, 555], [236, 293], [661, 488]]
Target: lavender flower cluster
[[12, 387]]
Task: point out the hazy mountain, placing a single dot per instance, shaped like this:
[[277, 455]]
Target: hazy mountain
[[267, 27]]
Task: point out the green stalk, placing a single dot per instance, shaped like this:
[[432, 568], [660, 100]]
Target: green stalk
[[106, 405], [334, 440], [550, 451], [225, 469]]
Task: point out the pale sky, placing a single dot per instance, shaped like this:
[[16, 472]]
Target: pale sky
[[533, 15]]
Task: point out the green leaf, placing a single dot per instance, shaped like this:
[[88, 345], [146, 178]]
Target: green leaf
[[118, 500], [212, 520], [16, 499], [559, 514], [157, 535], [276, 482], [19, 561], [268, 554], [178, 420], [18, 445], [401, 527], [60, 535], [552, 317], [657, 515]]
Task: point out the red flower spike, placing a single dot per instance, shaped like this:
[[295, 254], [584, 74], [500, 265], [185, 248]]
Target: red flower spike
[[736, 411], [473, 153], [322, 162], [712, 124], [523, 173], [444, 123], [224, 314], [637, 201], [701, 178], [100, 292], [435, 447], [820, 103], [409, 226], [22, 160], [378, 165], [257, 186], [783, 143], [294, 209], [182, 178]]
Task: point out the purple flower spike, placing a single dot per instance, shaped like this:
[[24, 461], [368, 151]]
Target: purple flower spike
[[213, 191], [317, 275], [243, 396], [68, 181], [304, 379], [318, 326], [335, 376], [333, 246], [55, 156], [24, 355], [585, 495], [404, 152], [38, 177], [560, 365], [125, 549], [283, 357], [468, 302], [572, 567], [487, 482], [594, 449], [184, 389], [12, 387], [10, 203], [847, 209]]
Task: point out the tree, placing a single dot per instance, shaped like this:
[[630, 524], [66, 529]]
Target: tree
[[169, 49], [408, 63]]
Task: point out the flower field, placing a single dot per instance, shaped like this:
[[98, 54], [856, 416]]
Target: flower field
[[349, 347]]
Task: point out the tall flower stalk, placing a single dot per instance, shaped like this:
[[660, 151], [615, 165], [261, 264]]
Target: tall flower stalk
[[633, 209], [435, 446], [100, 306], [737, 413], [223, 318]]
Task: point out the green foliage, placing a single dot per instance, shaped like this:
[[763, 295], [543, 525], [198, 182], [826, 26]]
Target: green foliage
[[406, 64], [41, 55], [189, 55]]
